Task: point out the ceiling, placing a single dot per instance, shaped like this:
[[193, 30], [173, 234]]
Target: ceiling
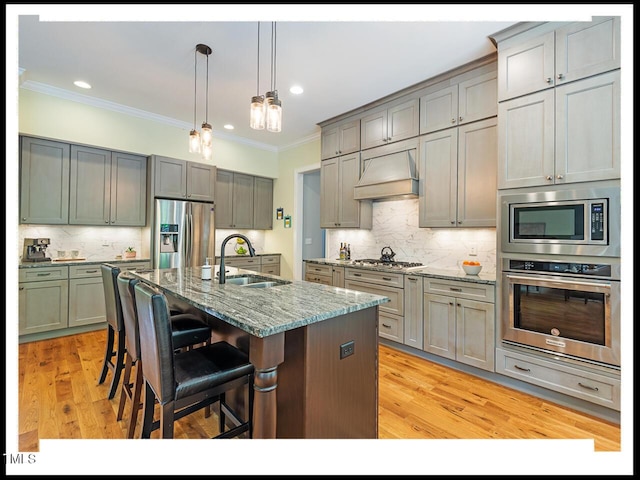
[[148, 66]]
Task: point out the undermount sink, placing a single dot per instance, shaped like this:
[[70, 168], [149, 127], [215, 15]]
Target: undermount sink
[[255, 281]]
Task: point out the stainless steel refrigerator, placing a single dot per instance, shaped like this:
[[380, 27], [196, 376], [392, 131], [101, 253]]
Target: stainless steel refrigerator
[[183, 234]]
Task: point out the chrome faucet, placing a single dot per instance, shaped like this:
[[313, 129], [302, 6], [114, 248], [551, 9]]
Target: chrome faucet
[[252, 253]]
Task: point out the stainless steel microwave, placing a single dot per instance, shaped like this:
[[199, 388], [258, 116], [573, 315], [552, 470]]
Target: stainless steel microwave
[[570, 221]]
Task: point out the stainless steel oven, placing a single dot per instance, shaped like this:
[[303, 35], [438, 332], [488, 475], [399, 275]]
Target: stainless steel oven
[[570, 309], [582, 220]]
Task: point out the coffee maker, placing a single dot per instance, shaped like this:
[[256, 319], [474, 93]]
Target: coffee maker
[[35, 250]]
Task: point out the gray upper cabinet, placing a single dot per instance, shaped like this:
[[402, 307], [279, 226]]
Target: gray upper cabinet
[[542, 58], [340, 139], [468, 101], [262, 203], [458, 176], [395, 121], [234, 200], [183, 180], [44, 181], [107, 188]]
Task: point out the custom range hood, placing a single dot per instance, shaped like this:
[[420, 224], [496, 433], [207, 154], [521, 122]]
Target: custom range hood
[[389, 172]]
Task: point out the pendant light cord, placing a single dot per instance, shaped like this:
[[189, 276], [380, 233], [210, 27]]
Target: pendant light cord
[[258, 67], [195, 85], [273, 55], [206, 114]]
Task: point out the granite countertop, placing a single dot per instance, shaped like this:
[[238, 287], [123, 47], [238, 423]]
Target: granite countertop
[[260, 311], [79, 262], [457, 274]]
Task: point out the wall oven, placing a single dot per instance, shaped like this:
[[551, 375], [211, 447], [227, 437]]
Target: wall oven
[[584, 220], [569, 309]]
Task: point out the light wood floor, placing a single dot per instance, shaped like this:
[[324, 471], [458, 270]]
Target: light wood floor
[[59, 399]]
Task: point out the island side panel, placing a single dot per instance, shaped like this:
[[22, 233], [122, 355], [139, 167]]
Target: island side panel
[[321, 395]]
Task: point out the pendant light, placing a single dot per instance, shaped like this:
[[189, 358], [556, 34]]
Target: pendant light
[[273, 104], [201, 141], [257, 116]]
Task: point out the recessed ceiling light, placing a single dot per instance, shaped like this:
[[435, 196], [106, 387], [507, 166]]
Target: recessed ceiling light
[[228, 126], [81, 84], [296, 90]]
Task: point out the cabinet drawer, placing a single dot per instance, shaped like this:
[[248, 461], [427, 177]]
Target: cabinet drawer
[[41, 274], [318, 269], [85, 271], [472, 291], [589, 386], [395, 295], [241, 262], [391, 326], [270, 260], [380, 278], [315, 278], [131, 266], [271, 269]]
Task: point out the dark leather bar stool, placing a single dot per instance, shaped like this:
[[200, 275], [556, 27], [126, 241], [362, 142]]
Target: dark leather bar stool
[[187, 331], [114, 352], [190, 380]]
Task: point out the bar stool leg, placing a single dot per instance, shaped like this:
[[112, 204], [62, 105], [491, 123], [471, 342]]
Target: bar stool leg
[[118, 366], [107, 354]]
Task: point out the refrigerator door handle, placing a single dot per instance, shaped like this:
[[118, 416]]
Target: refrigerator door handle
[[188, 235]]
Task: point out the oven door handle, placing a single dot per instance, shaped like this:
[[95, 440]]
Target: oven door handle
[[559, 283]]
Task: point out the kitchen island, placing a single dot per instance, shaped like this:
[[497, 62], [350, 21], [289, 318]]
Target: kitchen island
[[314, 348]]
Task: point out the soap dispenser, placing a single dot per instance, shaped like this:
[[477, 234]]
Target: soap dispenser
[[206, 270]]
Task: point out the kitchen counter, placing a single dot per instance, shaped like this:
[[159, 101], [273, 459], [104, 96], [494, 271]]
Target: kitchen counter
[[314, 349], [79, 262], [458, 274]]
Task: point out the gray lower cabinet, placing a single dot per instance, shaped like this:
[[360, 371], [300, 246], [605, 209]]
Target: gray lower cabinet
[[318, 273], [338, 276], [43, 299], [107, 188], [44, 181], [86, 296], [413, 311], [459, 321], [270, 264]]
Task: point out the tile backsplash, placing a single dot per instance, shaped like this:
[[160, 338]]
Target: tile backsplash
[[395, 224]]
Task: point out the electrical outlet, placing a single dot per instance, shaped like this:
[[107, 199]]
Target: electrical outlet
[[473, 251], [106, 243], [347, 349]]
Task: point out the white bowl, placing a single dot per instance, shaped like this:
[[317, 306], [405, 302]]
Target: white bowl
[[472, 269]]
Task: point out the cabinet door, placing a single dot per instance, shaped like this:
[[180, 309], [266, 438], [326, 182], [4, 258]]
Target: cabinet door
[[90, 192], [438, 174], [526, 139], [170, 178], [403, 120], [329, 142], [201, 181], [349, 137], [373, 129], [86, 301], [477, 173], [224, 199], [242, 201], [128, 190], [584, 49], [262, 203], [329, 191], [413, 312], [478, 98], [527, 67], [588, 129], [440, 325], [439, 110], [338, 277], [42, 306], [348, 208], [475, 330], [44, 181]]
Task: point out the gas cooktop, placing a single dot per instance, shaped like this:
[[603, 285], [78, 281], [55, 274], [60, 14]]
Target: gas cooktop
[[376, 262]]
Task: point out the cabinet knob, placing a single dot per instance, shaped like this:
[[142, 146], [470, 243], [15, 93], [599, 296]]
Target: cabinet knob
[[549, 80], [450, 303], [460, 118], [453, 120], [459, 222], [559, 177], [549, 177], [189, 195], [337, 152], [106, 221], [24, 219], [560, 76]]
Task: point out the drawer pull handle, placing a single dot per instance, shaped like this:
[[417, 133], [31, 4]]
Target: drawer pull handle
[[387, 279], [412, 279], [523, 369], [91, 271], [455, 289], [317, 269], [595, 389], [43, 274], [357, 274], [386, 326]]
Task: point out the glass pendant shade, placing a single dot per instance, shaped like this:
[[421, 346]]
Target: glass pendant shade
[[257, 119], [194, 142], [206, 135], [207, 152], [274, 112]]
